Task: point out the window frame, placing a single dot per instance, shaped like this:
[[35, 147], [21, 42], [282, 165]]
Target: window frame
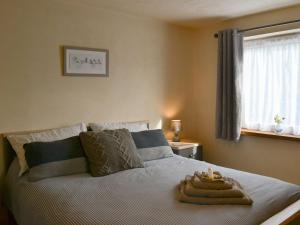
[[270, 134]]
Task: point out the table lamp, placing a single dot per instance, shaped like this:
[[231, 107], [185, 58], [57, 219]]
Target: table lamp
[[176, 128]]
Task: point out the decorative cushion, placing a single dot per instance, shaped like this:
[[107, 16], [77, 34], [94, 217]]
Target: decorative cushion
[[152, 144], [57, 158], [131, 126], [110, 151], [17, 141]]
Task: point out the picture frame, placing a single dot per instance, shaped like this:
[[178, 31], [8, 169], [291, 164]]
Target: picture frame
[[82, 61]]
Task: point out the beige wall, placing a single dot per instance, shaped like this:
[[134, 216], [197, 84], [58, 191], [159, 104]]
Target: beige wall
[[276, 158], [148, 60]]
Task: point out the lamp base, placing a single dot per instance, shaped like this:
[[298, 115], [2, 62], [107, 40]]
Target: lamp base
[[176, 137]]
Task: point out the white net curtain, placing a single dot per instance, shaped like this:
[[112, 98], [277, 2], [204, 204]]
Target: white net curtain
[[271, 83]]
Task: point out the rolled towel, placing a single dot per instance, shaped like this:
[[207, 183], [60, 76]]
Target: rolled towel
[[234, 192], [197, 183], [183, 197]]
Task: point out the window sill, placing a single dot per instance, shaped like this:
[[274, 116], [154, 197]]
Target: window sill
[[246, 132]]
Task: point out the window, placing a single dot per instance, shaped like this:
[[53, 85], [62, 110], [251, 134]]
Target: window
[[271, 83]]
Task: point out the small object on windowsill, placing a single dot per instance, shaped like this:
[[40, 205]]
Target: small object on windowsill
[[176, 128], [278, 129]]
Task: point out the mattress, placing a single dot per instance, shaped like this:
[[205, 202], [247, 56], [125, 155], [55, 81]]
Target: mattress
[[140, 196]]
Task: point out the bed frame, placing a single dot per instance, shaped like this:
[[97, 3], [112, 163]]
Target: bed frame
[[288, 216], [6, 156]]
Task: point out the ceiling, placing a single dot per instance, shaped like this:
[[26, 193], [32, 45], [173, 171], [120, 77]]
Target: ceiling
[[192, 12]]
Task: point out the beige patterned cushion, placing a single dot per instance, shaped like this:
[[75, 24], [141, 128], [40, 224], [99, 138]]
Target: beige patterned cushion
[[110, 151]]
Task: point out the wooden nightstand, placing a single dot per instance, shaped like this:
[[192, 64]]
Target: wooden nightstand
[[188, 149]]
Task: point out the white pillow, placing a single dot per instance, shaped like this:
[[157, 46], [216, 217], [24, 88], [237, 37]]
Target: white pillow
[[131, 126], [17, 141]]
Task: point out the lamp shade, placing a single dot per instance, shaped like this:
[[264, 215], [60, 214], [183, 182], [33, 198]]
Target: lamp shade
[[176, 125]]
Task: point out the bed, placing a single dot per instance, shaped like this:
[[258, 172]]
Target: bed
[[143, 196]]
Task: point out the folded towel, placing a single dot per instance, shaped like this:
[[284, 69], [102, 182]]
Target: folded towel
[[234, 192], [183, 197], [197, 183], [203, 176]]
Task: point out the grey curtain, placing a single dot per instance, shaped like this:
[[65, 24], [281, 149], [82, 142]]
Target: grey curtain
[[230, 65]]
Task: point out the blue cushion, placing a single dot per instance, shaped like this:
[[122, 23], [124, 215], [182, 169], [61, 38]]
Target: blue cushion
[[56, 158], [152, 144]]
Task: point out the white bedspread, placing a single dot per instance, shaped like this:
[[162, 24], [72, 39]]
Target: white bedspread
[[140, 196]]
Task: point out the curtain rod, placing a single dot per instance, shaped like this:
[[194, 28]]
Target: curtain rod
[[264, 26]]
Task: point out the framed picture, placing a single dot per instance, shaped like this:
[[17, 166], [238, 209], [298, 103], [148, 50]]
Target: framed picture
[[80, 61]]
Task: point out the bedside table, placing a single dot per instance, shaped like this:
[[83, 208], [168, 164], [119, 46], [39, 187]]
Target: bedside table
[[192, 150]]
